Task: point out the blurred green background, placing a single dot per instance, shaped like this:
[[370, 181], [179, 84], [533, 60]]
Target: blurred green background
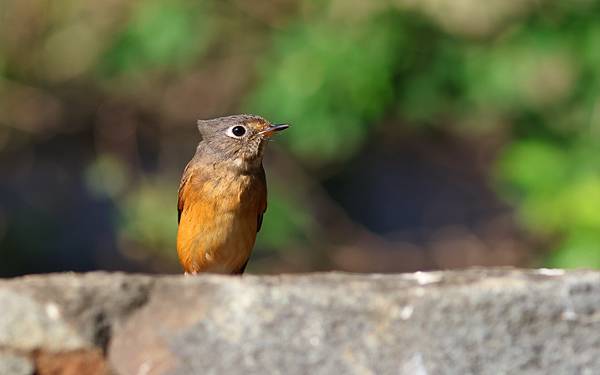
[[426, 134]]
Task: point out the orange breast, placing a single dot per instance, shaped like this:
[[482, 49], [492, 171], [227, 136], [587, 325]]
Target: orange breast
[[219, 220]]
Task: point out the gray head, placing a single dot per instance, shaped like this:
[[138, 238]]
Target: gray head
[[237, 139]]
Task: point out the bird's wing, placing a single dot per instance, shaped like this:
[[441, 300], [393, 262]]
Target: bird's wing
[[263, 203], [242, 268], [183, 185], [261, 196]]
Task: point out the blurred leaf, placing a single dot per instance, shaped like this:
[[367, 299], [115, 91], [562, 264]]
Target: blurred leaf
[[535, 167], [520, 73], [434, 86], [149, 217], [160, 33], [328, 88], [106, 176], [589, 44], [580, 250], [284, 223]]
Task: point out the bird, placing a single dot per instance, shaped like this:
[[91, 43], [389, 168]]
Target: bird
[[223, 195]]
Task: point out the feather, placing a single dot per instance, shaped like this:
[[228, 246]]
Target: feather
[[219, 213]]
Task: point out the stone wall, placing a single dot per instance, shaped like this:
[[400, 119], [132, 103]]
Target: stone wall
[[481, 321]]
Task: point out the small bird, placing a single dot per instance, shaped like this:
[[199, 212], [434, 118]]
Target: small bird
[[223, 195]]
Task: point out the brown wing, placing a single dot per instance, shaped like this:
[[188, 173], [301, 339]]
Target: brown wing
[[263, 206], [187, 175], [261, 211], [242, 268]]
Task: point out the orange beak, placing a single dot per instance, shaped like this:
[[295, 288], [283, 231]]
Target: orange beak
[[272, 129]]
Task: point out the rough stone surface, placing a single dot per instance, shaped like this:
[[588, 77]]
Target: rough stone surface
[[76, 362], [481, 321], [12, 364]]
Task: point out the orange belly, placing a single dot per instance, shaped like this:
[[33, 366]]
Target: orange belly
[[218, 223]]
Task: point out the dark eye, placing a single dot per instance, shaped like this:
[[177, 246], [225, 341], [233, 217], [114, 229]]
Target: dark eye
[[237, 131]]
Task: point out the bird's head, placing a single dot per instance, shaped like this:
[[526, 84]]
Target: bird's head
[[238, 139]]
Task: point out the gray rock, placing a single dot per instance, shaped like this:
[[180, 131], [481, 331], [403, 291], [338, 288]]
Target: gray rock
[[11, 364], [28, 325], [481, 321], [65, 312]]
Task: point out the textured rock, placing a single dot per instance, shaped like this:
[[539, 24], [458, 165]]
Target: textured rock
[[76, 362], [490, 321], [12, 364], [28, 325]]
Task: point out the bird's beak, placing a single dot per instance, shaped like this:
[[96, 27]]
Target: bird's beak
[[272, 129]]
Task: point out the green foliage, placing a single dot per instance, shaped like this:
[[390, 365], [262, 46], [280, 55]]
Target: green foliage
[[159, 33], [285, 223], [335, 74], [541, 76], [332, 88], [334, 69], [579, 250], [106, 177], [148, 218]]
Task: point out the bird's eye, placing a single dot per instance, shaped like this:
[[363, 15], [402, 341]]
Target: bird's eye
[[237, 131]]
